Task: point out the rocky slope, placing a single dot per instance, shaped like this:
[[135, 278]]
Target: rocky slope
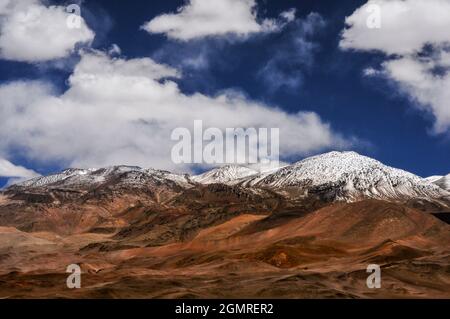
[[235, 253]]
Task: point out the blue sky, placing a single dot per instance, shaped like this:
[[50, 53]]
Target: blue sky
[[298, 67]]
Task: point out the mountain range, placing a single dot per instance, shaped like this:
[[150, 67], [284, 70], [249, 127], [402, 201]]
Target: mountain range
[[303, 230], [345, 176]]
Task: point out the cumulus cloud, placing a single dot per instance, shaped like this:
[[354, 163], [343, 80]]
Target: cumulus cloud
[[406, 26], [414, 37], [33, 32], [203, 18], [119, 111]]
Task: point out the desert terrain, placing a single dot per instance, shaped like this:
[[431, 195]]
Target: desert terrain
[[216, 241]]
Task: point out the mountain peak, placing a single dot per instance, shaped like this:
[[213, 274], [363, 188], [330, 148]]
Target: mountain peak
[[339, 156], [224, 174], [349, 176]]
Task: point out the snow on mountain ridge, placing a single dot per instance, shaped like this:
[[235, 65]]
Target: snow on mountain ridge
[[225, 174], [77, 177], [341, 175], [54, 178], [350, 175]]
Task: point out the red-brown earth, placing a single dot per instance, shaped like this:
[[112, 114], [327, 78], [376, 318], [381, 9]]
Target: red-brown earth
[[217, 241]]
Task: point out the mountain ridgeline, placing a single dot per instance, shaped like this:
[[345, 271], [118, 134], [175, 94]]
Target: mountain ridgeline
[[334, 176]]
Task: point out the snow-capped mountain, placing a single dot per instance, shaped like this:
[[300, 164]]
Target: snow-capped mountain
[[443, 182], [344, 176], [348, 176], [73, 178], [225, 174]]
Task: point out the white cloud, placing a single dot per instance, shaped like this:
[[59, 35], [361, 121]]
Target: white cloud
[[202, 18], [406, 26], [8, 169], [33, 32], [415, 36], [431, 91], [120, 111]]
